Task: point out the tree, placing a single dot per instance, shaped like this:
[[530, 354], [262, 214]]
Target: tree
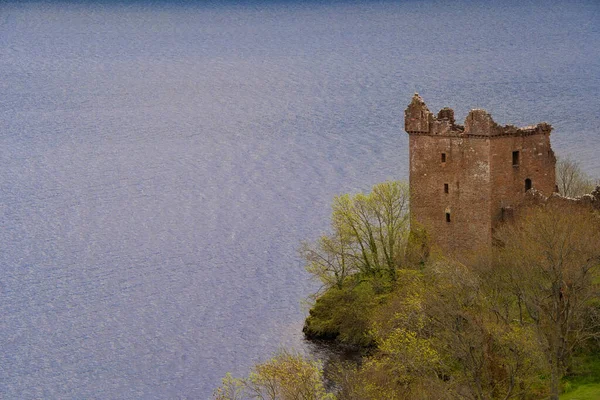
[[369, 235], [494, 356], [286, 376], [438, 337], [571, 180], [358, 262], [494, 328], [551, 257], [328, 258], [344, 314], [230, 389]]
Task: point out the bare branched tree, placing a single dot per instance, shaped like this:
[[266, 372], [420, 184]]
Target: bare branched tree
[[571, 180]]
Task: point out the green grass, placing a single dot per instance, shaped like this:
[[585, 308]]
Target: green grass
[[590, 391], [584, 382]]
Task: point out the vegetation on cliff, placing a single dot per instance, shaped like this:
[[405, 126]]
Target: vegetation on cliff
[[358, 263], [509, 323]]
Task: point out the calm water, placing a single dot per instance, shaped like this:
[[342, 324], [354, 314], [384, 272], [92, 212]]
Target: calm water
[[160, 164]]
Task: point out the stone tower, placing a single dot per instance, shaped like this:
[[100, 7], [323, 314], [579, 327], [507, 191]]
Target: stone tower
[[465, 180]]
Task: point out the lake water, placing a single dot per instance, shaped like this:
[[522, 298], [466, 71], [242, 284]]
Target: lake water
[[160, 163]]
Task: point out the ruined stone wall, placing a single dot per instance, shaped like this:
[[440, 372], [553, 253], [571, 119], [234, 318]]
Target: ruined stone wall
[[589, 201], [468, 197], [463, 177], [536, 163]]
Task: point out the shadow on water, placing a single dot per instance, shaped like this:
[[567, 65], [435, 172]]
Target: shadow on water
[[334, 355]]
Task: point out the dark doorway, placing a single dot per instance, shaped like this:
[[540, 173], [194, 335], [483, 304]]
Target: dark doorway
[[528, 184]]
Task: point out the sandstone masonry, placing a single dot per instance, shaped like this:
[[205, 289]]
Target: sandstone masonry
[[466, 179], [590, 201]]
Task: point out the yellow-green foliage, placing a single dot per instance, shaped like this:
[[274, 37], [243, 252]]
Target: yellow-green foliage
[[438, 337], [551, 259], [346, 314], [492, 329], [587, 391], [285, 377], [368, 236], [359, 261], [504, 325]]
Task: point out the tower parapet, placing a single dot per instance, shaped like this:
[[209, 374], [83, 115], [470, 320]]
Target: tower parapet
[[417, 116], [418, 120]]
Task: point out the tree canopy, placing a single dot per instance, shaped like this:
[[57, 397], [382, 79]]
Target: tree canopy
[[368, 236], [504, 325]]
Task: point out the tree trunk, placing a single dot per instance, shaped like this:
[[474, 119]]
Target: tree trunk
[[554, 380]]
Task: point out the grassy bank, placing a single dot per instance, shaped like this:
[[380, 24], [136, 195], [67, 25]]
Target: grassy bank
[[584, 382]]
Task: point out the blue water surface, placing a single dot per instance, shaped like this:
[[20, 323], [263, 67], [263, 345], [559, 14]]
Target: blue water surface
[[160, 163]]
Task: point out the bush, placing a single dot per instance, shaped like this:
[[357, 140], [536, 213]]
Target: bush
[[346, 314]]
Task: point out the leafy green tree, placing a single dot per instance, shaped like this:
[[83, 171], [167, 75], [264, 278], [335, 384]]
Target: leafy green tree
[[489, 357], [438, 337], [369, 234], [346, 314], [286, 376], [551, 260], [378, 225], [230, 389], [492, 329], [328, 259]]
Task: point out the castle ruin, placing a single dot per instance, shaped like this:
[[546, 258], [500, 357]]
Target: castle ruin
[[465, 180]]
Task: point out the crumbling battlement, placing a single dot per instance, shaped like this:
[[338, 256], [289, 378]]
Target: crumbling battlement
[[590, 201], [418, 120]]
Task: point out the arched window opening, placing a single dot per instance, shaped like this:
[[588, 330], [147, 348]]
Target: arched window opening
[[528, 184], [447, 217]]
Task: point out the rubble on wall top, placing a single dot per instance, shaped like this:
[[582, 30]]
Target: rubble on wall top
[[478, 123], [418, 100], [590, 200]]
